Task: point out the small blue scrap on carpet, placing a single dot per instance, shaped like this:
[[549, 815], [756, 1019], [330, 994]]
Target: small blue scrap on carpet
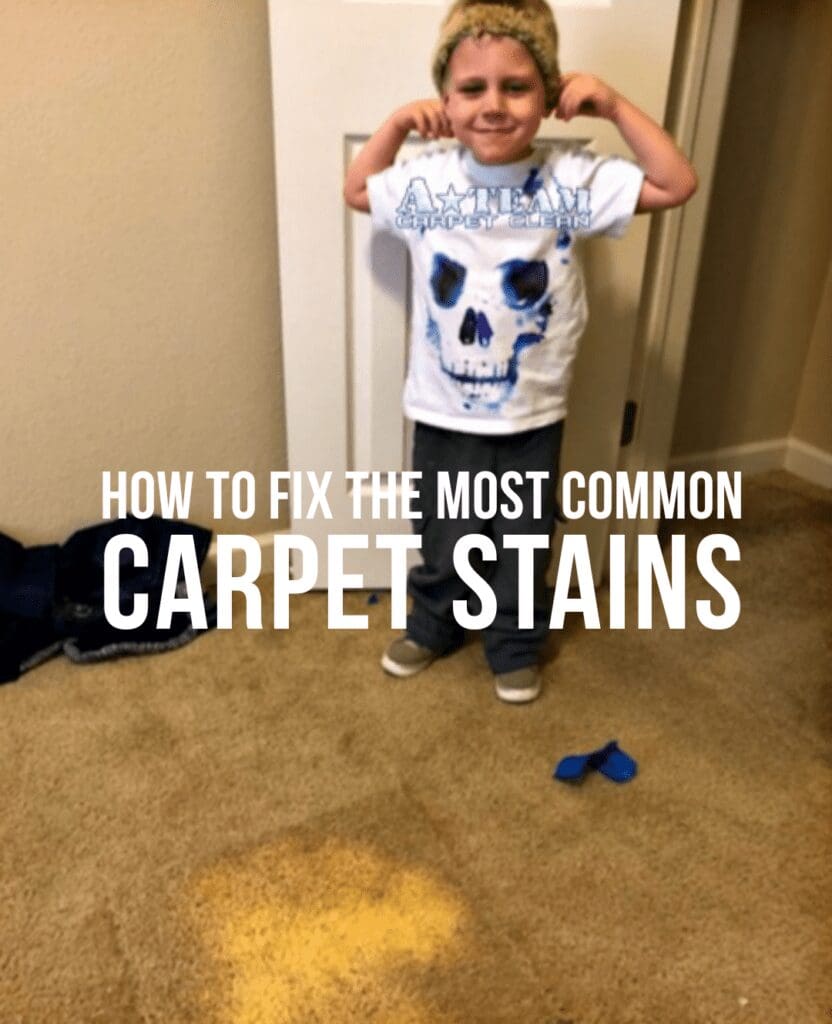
[[609, 760]]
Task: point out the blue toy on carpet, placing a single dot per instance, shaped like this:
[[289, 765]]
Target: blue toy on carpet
[[609, 760]]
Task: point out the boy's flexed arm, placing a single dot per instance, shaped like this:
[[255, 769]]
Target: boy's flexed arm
[[424, 116], [669, 179]]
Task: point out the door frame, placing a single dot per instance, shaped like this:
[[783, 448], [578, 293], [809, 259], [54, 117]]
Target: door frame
[[706, 43]]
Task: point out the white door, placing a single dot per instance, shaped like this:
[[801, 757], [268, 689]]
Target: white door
[[339, 68]]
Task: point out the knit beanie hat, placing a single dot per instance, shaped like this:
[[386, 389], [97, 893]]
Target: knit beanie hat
[[531, 22]]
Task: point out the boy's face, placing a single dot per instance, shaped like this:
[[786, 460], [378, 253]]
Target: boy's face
[[494, 97]]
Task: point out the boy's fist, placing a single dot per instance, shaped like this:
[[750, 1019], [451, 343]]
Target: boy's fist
[[585, 94], [427, 117]]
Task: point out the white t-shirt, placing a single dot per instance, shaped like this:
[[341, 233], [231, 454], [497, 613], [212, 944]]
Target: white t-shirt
[[498, 296]]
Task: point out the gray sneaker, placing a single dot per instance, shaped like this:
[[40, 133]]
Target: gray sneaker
[[519, 686], [404, 657]]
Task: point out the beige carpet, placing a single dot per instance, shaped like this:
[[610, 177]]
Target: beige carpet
[[262, 828]]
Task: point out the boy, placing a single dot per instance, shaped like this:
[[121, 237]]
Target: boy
[[498, 300]]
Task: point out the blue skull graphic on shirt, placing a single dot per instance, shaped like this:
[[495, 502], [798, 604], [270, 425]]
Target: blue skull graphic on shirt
[[466, 324]]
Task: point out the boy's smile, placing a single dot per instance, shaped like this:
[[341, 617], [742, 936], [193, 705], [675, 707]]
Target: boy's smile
[[494, 98]]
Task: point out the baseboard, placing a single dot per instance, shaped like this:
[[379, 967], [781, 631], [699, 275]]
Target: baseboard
[[265, 541], [804, 460], [809, 463], [759, 457]]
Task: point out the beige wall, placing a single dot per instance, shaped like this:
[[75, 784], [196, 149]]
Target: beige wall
[[139, 311], [768, 243]]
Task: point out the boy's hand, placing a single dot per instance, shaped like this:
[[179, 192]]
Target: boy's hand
[[669, 178], [585, 95], [427, 117]]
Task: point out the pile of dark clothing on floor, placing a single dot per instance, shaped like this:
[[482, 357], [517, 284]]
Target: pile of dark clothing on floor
[[52, 596]]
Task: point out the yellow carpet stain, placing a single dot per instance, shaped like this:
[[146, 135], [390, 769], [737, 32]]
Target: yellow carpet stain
[[331, 932]]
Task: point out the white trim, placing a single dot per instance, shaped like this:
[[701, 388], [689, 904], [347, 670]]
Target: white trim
[[809, 463], [266, 544], [759, 457], [699, 97], [797, 457], [695, 120]]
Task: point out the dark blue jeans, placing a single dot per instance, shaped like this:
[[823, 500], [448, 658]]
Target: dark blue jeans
[[435, 585]]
